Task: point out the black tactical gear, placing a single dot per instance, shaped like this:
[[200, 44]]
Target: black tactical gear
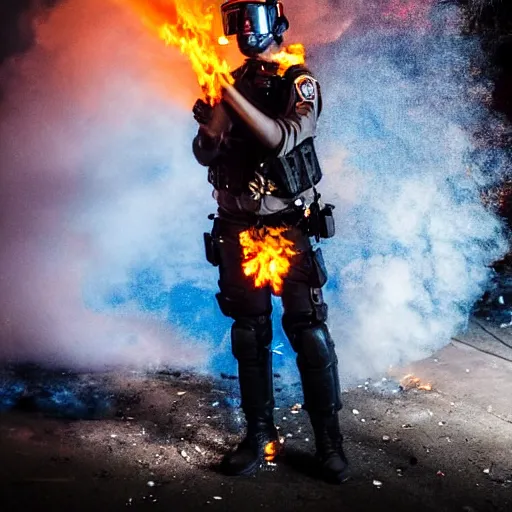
[[242, 155], [305, 313], [239, 164]]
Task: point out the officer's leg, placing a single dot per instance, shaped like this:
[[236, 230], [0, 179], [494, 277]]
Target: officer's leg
[[305, 314], [251, 337]]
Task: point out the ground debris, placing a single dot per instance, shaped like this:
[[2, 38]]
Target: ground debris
[[185, 455], [296, 408]]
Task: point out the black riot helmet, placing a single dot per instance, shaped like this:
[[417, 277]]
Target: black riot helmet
[[256, 24]]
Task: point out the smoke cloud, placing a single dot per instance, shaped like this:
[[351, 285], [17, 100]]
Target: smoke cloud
[[103, 207]]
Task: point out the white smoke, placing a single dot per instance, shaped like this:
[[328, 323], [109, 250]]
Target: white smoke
[[414, 240], [97, 178], [99, 187]]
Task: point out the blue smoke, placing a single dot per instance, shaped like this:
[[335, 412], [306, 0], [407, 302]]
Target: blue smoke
[[414, 242], [60, 394]]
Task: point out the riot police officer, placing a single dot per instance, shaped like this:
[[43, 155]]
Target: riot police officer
[[258, 146]]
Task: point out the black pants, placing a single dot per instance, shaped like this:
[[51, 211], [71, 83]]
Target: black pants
[[304, 319]]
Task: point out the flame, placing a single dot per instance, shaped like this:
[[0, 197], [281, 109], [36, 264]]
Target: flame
[[186, 25], [271, 450], [412, 382], [267, 255], [292, 55], [193, 35]]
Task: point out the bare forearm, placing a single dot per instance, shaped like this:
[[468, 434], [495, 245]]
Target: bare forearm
[[266, 129], [282, 134]]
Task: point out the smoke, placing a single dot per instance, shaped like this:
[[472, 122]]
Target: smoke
[[414, 241], [103, 207], [97, 187]]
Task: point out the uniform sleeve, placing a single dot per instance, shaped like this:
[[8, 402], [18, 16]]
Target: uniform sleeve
[[283, 134], [299, 122], [206, 143]]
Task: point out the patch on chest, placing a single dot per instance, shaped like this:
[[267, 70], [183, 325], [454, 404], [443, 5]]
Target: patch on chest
[[305, 86]]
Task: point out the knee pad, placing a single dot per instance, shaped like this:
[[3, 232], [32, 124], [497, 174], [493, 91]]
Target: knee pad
[[251, 337], [318, 367]]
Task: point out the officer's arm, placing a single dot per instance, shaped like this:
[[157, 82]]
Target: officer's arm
[[206, 143], [281, 134]]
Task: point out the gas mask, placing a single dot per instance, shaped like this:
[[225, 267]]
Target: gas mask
[[256, 24]]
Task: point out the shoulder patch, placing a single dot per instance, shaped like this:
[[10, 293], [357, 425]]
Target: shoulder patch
[[305, 86]]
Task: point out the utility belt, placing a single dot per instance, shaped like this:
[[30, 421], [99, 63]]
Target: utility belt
[[313, 221]]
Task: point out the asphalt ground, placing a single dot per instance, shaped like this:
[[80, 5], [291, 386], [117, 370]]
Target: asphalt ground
[[158, 439]]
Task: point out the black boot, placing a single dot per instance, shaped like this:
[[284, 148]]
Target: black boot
[[251, 338], [260, 444], [329, 449], [318, 367]]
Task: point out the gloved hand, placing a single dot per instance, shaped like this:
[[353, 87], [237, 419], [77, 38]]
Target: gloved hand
[[202, 112]]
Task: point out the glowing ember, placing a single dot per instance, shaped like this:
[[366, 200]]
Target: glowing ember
[[193, 35], [223, 41], [271, 450], [292, 55], [412, 382], [267, 255]]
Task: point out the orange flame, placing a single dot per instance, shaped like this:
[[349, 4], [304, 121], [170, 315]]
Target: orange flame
[[292, 55], [193, 35], [186, 25], [271, 450], [267, 255], [412, 382]]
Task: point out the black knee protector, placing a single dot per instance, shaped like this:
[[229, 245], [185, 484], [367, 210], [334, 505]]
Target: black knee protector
[[251, 338], [318, 365]]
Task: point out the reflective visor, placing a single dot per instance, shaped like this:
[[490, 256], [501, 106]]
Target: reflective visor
[[245, 19]]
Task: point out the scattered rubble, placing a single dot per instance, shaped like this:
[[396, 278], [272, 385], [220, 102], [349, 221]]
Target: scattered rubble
[[196, 430]]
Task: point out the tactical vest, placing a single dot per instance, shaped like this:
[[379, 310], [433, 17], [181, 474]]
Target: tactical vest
[[242, 155]]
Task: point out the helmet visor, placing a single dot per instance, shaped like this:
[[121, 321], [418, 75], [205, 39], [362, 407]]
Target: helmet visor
[[245, 19]]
